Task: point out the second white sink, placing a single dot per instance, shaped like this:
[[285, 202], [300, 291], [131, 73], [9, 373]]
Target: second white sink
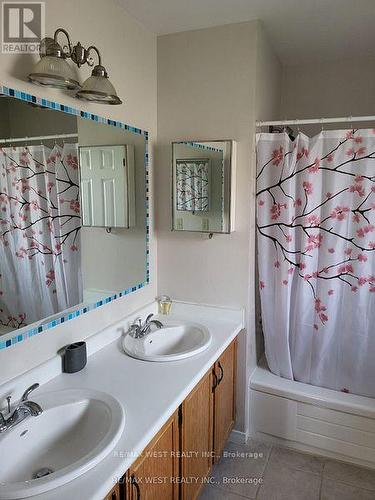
[[175, 341], [77, 429]]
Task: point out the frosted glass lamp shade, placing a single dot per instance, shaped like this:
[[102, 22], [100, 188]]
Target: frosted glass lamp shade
[[98, 88], [55, 72]]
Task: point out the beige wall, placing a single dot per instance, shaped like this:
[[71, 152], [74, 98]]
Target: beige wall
[[129, 54], [340, 88], [206, 90]]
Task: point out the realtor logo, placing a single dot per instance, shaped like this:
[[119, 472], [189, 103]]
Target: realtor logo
[[23, 27]]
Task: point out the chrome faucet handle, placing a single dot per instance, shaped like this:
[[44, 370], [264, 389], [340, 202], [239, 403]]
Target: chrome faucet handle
[[33, 408], [3, 424], [147, 320], [134, 330], [8, 398], [28, 391]]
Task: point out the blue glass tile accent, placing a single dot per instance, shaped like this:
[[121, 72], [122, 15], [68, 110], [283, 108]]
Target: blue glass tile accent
[[88, 116], [201, 146]]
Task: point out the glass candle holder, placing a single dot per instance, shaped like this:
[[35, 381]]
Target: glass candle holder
[[165, 304]]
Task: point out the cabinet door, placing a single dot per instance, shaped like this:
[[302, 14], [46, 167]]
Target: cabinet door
[[154, 476], [114, 494], [224, 397], [196, 437]]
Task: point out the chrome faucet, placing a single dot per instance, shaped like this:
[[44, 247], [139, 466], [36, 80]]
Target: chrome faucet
[[139, 330], [24, 409]]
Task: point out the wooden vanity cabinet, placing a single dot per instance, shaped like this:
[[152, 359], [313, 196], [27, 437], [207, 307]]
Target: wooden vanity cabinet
[[196, 420], [224, 374], [208, 416], [154, 476], [178, 460], [114, 494]]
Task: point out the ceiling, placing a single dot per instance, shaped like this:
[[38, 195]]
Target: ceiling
[[300, 30]]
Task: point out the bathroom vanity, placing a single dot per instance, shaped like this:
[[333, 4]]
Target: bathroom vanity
[[175, 418], [177, 461]]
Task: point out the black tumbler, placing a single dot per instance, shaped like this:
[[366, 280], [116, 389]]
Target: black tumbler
[[75, 357]]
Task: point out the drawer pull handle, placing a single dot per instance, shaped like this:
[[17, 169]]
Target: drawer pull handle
[[133, 481], [216, 381], [221, 373]]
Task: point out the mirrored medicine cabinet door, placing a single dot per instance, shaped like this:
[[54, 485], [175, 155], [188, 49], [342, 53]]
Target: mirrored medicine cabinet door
[[202, 176]]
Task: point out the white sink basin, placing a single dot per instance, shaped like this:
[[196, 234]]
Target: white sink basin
[[77, 429], [175, 341]]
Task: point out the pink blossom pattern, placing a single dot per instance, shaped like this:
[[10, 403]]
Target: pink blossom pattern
[[276, 210], [314, 241], [321, 220], [302, 153], [321, 309], [315, 166], [308, 187], [340, 213], [277, 156], [36, 225], [313, 220]]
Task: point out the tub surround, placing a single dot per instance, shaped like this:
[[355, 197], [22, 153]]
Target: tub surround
[[149, 392], [311, 418]]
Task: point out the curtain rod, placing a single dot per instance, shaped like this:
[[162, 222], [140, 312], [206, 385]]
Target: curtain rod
[[37, 138], [319, 121]]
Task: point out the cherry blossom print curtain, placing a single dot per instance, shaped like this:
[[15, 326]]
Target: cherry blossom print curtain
[[316, 243], [39, 233], [192, 185]]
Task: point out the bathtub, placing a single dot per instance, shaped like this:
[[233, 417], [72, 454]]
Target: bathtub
[[312, 419]]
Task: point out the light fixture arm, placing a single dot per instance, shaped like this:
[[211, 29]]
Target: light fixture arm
[[95, 49], [69, 46]]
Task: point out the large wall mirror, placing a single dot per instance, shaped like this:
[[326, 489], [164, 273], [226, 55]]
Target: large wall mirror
[[203, 176], [73, 213]]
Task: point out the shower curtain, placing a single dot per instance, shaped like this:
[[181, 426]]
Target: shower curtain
[[39, 233], [316, 243], [192, 185]]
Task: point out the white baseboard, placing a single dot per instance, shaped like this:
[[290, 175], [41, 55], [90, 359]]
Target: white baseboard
[[237, 437]]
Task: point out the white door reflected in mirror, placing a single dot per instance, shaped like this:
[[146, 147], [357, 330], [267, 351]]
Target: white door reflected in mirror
[[107, 186]]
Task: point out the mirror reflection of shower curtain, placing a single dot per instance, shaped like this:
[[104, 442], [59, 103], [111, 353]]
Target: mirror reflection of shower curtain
[[40, 225], [316, 257], [192, 185]]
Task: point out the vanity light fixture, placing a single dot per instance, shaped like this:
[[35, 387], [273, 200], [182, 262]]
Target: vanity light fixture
[[54, 71]]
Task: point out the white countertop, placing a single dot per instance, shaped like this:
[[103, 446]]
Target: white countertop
[[149, 392]]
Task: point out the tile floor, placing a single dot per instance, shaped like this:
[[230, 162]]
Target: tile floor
[[263, 472]]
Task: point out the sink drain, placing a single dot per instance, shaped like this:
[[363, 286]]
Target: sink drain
[[45, 471]]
